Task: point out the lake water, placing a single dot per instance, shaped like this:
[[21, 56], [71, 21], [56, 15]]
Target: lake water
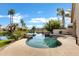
[[40, 41]]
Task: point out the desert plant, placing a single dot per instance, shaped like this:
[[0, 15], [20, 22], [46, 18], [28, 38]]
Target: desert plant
[[52, 24], [60, 32], [33, 29]]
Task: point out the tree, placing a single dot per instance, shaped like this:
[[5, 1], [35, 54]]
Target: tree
[[61, 12], [15, 25], [68, 13], [52, 24], [11, 12], [11, 28], [33, 29], [23, 23], [0, 27]]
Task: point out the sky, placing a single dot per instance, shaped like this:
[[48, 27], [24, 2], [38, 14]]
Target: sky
[[34, 14]]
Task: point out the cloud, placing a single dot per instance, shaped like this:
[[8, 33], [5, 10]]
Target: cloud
[[43, 20], [37, 26], [67, 18], [38, 20], [39, 12], [67, 21], [1, 16], [29, 26], [4, 16], [16, 18], [55, 18]]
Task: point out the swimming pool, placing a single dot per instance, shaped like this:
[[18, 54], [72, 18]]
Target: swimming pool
[[3, 38], [40, 41]]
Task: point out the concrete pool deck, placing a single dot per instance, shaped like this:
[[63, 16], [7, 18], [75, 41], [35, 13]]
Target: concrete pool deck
[[19, 48]]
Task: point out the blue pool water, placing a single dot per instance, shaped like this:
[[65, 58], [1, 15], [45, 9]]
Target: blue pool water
[[3, 38], [40, 41]]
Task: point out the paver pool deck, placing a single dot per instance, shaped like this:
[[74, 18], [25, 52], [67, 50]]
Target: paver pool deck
[[20, 48]]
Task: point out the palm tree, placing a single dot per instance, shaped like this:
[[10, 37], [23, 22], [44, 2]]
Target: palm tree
[[23, 23], [11, 12], [61, 12]]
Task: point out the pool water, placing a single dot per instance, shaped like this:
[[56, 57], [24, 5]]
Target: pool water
[[3, 38], [40, 41]]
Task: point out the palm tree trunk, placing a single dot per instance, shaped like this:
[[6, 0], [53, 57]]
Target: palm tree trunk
[[63, 21], [11, 19]]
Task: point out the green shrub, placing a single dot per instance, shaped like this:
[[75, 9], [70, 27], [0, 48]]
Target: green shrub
[[13, 37], [60, 32], [4, 42], [18, 34], [3, 33]]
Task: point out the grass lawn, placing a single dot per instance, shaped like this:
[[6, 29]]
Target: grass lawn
[[4, 42]]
